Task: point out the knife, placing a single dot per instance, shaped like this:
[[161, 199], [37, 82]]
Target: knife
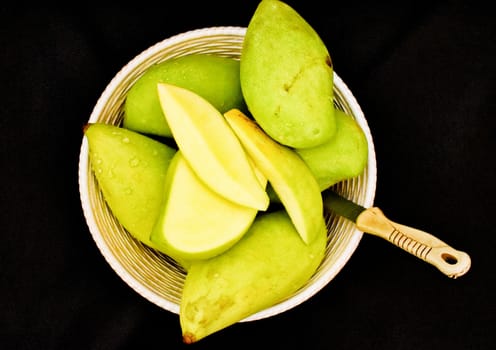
[[451, 262]]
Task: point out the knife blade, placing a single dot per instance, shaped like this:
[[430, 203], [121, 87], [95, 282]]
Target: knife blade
[[453, 263], [342, 206]]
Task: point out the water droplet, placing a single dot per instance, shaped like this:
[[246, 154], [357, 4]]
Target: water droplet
[[125, 139], [134, 162], [146, 206]]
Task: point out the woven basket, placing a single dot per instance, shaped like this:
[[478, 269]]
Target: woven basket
[[153, 275]]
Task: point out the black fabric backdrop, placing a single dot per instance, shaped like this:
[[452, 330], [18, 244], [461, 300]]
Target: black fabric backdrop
[[424, 74]]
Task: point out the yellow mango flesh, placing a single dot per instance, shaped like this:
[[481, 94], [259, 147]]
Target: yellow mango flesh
[[210, 146], [287, 173], [195, 222]]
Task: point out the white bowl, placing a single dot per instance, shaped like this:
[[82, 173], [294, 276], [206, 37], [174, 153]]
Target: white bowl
[[157, 277]]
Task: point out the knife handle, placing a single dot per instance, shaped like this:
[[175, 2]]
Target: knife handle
[[451, 262]]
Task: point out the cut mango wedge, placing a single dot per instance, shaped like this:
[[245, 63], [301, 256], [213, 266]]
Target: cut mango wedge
[[288, 174], [195, 222], [210, 146]]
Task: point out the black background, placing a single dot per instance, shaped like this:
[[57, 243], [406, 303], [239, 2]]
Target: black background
[[424, 74]]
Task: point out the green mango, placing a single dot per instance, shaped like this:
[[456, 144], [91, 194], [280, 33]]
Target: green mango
[[266, 266], [130, 169], [215, 78], [343, 157], [286, 77]]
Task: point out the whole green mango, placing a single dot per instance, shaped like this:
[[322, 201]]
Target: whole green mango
[[215, 78], [286, 77]]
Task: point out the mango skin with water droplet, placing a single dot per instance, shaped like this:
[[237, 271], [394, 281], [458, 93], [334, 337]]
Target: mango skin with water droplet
[[266, 266], [130, 170], [215, 78]]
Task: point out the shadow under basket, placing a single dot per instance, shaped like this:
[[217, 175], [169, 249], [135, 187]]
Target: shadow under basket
[[155, 276]]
